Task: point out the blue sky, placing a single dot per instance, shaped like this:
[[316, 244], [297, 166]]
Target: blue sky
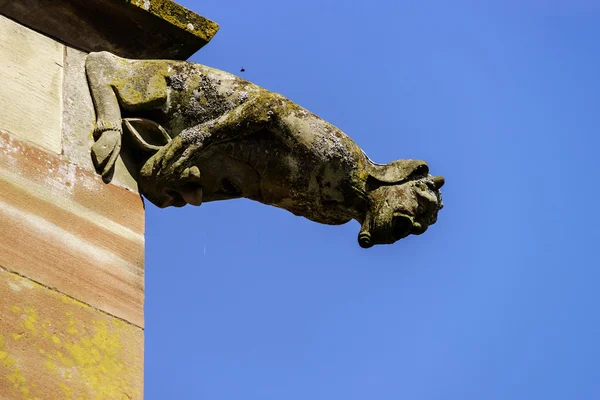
[[498, 300]]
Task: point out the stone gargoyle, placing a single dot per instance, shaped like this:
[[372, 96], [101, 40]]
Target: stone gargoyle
[[201, 134]]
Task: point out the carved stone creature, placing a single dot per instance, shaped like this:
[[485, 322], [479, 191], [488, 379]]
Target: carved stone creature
[[203, 135]]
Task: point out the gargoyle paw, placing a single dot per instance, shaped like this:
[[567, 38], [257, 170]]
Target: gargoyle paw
[[105, 151]]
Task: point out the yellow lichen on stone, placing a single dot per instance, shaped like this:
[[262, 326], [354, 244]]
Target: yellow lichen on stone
[[96, 359], [68, 392], [8, 361], [12, 371], [55, 347], [30, 322], [16, 378], [72, 331], [50, 365]]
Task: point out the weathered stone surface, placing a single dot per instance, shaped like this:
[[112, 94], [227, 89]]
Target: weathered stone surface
[[79, 120], [54, 347], [31, 70], [131, 28], [71, 246], [63, 227], [201, 134]]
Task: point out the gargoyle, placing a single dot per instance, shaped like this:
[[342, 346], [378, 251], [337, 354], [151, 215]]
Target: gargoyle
[[204, 135]]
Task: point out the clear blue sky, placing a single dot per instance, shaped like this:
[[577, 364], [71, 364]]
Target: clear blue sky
[[498, 300]]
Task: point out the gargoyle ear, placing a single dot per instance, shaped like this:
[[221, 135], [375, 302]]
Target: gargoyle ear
[[148, 135], [397, 171]]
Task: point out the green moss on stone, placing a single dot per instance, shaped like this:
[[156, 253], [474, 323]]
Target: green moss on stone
[[181, 17]]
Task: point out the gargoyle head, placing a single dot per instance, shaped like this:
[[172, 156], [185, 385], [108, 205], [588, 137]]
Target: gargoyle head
[[403, 199]]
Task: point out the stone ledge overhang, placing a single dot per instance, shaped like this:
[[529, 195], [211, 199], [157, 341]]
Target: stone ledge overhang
[[151, 29]]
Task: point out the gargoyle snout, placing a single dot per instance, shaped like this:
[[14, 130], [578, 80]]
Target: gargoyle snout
[[190, 187], [402, 225], [186, 189], [192, 194]]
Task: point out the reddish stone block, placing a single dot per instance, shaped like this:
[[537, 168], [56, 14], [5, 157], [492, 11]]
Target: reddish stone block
[[65, 228], [54, 347]]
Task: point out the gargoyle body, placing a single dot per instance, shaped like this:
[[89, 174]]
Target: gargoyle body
[[203, 135]]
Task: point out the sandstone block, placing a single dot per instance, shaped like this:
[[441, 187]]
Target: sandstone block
[[64, 228], [31, 72], [54, 347]]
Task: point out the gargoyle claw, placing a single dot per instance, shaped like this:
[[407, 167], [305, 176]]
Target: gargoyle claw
[[105, 151], [191, 173]]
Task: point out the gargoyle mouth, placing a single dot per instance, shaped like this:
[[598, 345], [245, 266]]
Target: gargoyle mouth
[[185, 190], [190, 186], [400, 227], [191, 194]]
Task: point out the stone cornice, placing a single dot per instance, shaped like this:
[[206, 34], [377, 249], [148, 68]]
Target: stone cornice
[[159, 29]]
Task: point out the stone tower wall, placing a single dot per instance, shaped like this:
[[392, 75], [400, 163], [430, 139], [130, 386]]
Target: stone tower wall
[[71, 245]]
